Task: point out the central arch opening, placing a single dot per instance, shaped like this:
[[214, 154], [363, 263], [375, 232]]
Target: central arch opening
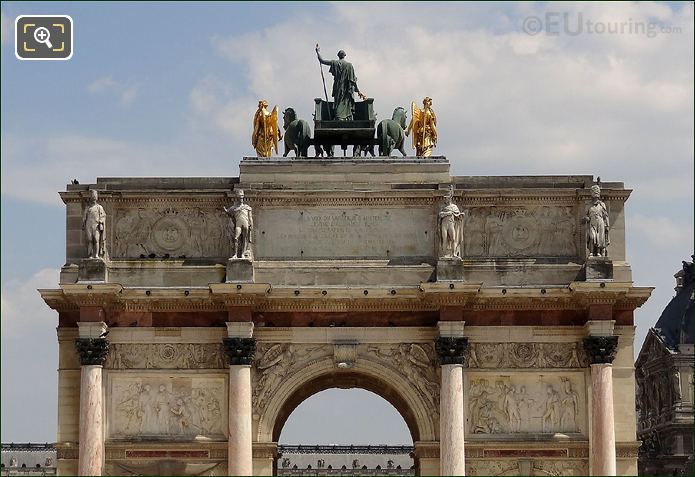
[[345, 424]]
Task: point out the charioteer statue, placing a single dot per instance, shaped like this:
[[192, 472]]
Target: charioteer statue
[[344, 86]]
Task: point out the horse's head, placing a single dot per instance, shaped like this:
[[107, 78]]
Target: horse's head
[[288, 116], [399, 116]]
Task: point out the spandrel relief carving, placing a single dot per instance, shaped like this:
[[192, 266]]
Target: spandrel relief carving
[[167, 407], [540, 231], [416, 362], [276, 362], [561, 467], [165, 356], [190, 232], [500, 404]]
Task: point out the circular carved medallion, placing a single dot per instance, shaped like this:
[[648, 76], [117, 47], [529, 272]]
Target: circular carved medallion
[[170, 233], [520, 232]]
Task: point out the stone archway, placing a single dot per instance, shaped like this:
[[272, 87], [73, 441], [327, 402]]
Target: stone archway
[[404, 374]]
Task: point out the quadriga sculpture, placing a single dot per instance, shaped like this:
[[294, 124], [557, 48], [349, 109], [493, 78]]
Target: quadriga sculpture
[[390, 133]]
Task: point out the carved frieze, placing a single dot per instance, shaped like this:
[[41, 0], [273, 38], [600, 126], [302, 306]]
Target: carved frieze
[[526, 355], [560, 467], [525, 403], [520, 231], [173, 230], [166, 356], [491, 467], [158, 406]]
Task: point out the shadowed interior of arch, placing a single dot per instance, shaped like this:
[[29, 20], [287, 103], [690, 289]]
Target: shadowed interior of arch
[[349, 380]]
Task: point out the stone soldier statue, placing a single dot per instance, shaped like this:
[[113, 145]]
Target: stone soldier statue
[[242, 223], [344, 86], [94, 226], [596, 218], [451, 228]]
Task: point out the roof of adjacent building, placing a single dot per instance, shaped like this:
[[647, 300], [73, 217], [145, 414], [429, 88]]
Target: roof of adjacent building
[[28, 454], [676, 322]]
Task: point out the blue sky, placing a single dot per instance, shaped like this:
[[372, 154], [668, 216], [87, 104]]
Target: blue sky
[[170, 89]]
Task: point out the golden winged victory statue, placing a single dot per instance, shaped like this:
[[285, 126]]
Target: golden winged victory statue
[[266, 132], [423, 125]]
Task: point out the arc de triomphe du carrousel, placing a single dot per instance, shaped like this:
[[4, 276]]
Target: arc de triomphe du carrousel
[[495, 313]]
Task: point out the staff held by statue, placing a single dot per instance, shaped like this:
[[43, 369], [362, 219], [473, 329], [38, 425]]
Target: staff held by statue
[[323, 78]]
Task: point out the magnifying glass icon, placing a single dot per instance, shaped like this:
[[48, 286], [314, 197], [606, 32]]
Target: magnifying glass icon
[[42, 35]]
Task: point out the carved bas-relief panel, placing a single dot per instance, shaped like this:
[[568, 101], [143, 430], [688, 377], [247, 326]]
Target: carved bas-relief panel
[[525, 403], [527, 467], [345, 233], [539, 231], [165, 356], [190, 232], [156, 406]]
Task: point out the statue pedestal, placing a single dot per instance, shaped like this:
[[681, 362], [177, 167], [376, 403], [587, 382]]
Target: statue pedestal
[[92, 270], [450, 269], [239, 270], [598, 268]]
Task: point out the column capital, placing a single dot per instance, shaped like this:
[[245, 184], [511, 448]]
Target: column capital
[[451, 350], [601, 349], [92, 351], [239, 351]]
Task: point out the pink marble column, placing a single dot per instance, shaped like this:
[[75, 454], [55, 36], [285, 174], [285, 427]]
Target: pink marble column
[[91, 422], [451, 352], [92, 352], [240, 353], [601, 352], [240, 455], [451, 421], [602, 420]]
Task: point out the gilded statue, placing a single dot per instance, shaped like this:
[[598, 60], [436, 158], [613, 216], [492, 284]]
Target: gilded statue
[[266, 132], [450, 228], [423, 125], [597, 239]]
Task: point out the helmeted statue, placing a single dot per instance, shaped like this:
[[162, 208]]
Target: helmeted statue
[[423, 125], [597, 239], [265, 130], [94, 227], [344, 86], [450, 228], [242, 226]]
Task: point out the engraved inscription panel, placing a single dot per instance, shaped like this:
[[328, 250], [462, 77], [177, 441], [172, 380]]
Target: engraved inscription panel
[[167, 407], [350, 233], [525, 403]]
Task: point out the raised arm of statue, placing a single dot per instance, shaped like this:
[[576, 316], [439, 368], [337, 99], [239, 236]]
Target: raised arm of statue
[[321, 60]]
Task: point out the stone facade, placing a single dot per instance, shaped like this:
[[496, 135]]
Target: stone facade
[[664, 371], [347, 289]]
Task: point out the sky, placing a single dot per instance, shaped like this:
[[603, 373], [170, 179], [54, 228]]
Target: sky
[[169, 89]]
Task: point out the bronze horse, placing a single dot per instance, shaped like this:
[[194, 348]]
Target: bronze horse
[[390, 133], [297, 134]]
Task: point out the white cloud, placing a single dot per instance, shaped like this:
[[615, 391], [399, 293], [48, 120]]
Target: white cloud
[[23, 310], [658, 231], [125, 93]]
